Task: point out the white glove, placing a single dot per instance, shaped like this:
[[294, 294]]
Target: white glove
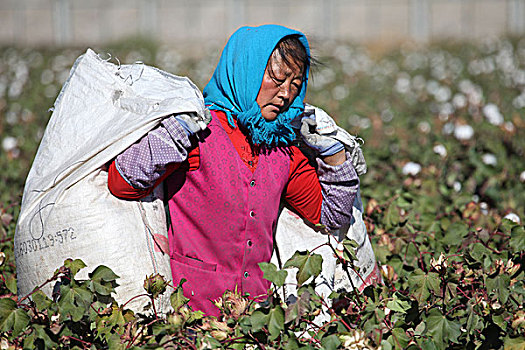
[[193, 122], [327, 127]]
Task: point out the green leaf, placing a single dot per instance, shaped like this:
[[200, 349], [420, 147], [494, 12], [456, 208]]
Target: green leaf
[[103, 280], [478, 252], [499, 320], [308, 264], [426, 344], [103, 273], [74, 301], [211, 343], [29, 341], [116, 318], [455, 233], [385, 345], [41, 333], [258, 320], [443, 330], [500, 286], [177, 298], [472, 321], [74, 265], [11, 284], [349, 252], [273, 275], [12, 318], [422, 284], [275, 321], [398, 305], [115, 343], [392, 217], [291, 343], [297, 309], [517, 238], [330, 342], [400, 338], [514, 343], [41, 300]]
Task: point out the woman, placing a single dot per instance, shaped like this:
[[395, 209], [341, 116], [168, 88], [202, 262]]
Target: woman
[[224, 184]]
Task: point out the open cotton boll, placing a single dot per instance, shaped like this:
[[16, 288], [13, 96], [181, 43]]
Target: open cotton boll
[[493, 115], [522, 176], [9, 143], [463, 132], [513, 217], [440, 149], [411, 168], [489, 159]]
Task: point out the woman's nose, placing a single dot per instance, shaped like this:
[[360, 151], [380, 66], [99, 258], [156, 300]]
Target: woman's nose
[[284, 91]]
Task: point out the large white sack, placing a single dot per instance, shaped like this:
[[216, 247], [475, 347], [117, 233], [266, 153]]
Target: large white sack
[[67, 210]]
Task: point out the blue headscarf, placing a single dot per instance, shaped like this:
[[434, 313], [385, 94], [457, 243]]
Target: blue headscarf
[[237, 79]]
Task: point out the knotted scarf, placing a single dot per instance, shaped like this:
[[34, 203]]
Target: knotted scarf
[[237, 79]]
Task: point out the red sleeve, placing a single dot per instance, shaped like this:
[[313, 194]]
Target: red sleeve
[[120, 188], [303, 191]]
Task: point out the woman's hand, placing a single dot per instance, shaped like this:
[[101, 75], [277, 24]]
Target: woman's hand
[[336, 159]]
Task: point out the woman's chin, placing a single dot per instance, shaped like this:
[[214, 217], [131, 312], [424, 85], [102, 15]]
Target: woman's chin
[[270, 115]]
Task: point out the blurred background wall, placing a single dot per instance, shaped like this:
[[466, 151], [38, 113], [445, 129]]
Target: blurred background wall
[[84, 22]]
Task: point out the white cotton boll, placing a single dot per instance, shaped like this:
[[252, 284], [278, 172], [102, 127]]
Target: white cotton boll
[[459, 101], [489, 159], [509, 126], [424, 127], [387, 115], [340, 92], [411, 168], [493, 115], [418, 82], [519, 77], [445, 111], [484, 208], [432, 87], [402, 84], [11, 117], [16, 88], [475, 97], [519, 101], [47, 77], [364, 123], [513, 217], [448, 129], [440, 150], [9, 143], [50, 91], [443, 94], [463, 132], [522, 176], [457, 186], [354, 119], [466, 86]]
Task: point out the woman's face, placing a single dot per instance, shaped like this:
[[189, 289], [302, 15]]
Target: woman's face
[[280, 86]]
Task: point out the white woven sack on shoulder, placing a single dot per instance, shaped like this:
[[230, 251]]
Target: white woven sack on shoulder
[[67, 210]]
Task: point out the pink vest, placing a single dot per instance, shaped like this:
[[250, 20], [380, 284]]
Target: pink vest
[[222, 220]]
